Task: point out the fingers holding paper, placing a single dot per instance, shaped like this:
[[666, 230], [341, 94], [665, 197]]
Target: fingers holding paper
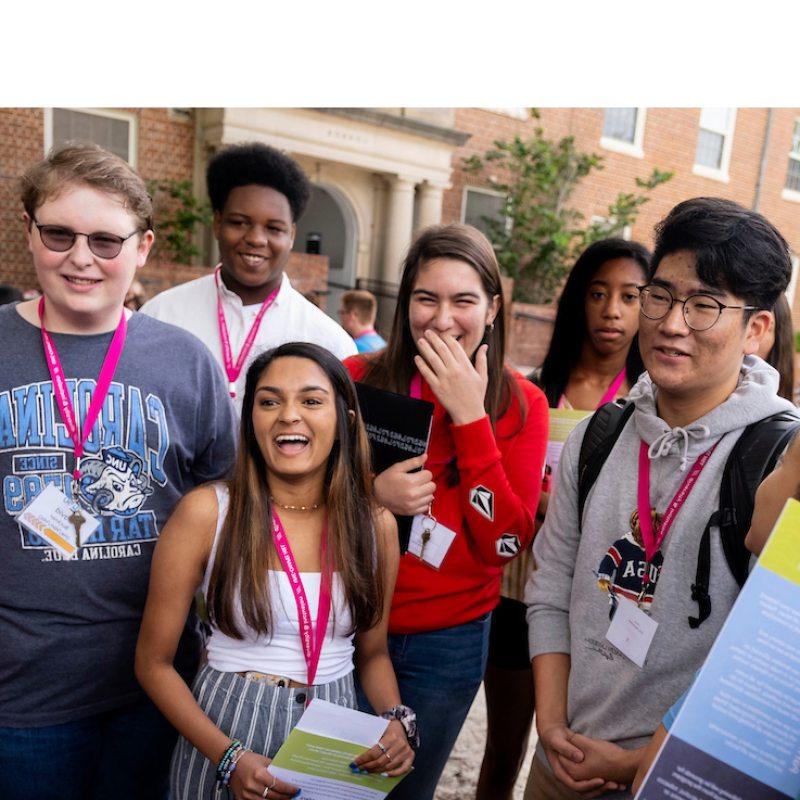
[[391, 756], [252, 780]]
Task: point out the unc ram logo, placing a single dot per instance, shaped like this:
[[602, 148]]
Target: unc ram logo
[[115, 483]]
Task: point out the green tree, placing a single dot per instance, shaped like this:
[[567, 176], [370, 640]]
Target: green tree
[[542, 234], [177, 214]]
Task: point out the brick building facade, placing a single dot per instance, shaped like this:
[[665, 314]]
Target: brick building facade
[[393, 171]]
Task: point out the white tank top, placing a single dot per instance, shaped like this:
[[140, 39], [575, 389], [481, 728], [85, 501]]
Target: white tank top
[[282, 653]]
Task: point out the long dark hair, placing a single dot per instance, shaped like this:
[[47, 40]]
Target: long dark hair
[[393, 367], [246, 548], [569, 329], [781, 356]]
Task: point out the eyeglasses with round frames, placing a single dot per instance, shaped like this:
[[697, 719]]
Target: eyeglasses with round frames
[[60, 239], [700, 311]]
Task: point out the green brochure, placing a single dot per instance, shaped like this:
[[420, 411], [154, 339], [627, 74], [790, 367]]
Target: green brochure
[[317, 753]]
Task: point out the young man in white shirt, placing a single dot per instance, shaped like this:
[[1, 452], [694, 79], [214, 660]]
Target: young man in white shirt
[[248, 304]]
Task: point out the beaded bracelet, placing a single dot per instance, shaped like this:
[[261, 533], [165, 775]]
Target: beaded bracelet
[[237, 754], [223, 770]]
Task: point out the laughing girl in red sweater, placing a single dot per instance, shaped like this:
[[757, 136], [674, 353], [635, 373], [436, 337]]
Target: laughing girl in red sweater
[[474, 501]]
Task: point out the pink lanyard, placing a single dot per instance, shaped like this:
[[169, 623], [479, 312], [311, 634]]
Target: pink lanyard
[[310, 638], [652, 541], [612, 390], [234, 370], [610, 394], [99, 394]]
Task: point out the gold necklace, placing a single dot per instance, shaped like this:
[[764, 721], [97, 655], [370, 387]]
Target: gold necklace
[[294, 508]]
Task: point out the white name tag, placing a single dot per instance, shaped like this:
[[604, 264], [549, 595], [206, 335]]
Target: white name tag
[[631, 631], [433, 548], [62, 523]]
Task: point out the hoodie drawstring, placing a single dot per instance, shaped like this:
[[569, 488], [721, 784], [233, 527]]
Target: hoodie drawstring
[[661, 445]]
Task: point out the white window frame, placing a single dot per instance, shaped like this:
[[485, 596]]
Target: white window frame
[[792, 194], [635, 148], [481, 190], [133, 132], [720, 174], [516, 113]]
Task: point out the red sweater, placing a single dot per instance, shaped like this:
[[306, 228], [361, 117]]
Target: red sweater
[[508, 462]]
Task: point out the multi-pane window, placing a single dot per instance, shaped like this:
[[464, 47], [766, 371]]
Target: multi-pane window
[[479, 204], [623, 131], [714, 138], [112, 130], [620, 124], [793, 172]]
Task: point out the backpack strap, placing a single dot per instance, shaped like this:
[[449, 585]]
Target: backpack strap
[[752, 458], [601, 435]]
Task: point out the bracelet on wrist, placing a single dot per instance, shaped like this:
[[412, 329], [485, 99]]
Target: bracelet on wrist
[[227, 764], [408, 719]]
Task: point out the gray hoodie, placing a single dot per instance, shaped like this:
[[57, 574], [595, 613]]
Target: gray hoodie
[[611, 698]]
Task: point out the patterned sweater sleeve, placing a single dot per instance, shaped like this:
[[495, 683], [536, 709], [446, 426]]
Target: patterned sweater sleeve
[[500, 478]]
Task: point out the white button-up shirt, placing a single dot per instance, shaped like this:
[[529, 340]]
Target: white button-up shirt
[[291, 318]]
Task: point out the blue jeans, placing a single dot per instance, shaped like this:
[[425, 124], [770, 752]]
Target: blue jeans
[[119, 755], [439, 673]]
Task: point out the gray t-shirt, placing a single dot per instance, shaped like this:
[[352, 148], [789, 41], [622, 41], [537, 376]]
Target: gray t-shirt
[[68, 627]]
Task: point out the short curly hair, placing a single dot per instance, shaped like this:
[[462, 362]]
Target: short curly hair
[[256, 163]]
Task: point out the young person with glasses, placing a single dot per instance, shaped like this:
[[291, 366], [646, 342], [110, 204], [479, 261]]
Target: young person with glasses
[[629, 561], [293, 539], [593, 357], [248, 305], [476, 494], [107, 418]]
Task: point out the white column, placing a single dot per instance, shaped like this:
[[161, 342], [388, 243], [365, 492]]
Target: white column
[[430, 205], [398, 226]]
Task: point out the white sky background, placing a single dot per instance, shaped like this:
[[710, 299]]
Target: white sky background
[[495, 53]]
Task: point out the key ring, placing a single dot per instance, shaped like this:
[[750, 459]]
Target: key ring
[[429, 518]]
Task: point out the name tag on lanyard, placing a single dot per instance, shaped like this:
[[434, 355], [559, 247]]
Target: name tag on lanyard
[[61, 522], [631, 631], [430, 541]]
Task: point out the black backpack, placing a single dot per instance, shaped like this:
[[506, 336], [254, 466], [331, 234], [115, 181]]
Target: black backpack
[[753, 457]]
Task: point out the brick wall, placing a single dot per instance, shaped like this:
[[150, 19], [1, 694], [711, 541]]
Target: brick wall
[[530, 329], [21, 144], [670, 140]]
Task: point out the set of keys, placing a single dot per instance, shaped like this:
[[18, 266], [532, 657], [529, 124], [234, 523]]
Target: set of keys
[[428, 524]]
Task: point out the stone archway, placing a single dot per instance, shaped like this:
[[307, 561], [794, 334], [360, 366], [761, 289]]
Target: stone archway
[[331, 217]]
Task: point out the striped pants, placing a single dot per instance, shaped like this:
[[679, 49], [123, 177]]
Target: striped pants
[[259, 715]]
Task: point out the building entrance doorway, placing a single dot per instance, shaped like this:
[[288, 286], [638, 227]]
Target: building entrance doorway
[[329, 227]]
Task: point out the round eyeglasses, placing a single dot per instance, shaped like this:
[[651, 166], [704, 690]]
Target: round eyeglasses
[[700, 311], [60, 239]]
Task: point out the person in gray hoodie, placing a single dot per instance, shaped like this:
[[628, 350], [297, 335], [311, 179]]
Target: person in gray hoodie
[[716, 273]]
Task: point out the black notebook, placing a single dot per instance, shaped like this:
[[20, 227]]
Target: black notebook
[[398, 428]]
